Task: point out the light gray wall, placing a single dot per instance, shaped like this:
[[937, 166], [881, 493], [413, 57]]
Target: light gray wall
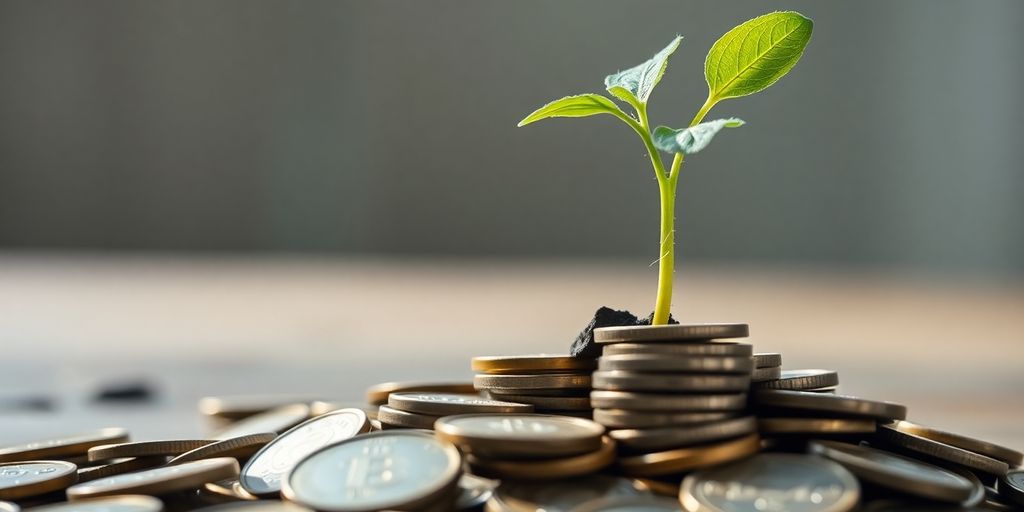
[[389, 126]]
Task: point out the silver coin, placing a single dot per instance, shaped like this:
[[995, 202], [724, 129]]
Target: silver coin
[[122, 503], [896, 472], [827, 403], [521, 435], [641, 503], [161, 480], [891, 435], [802, 379], [618, 418], [558, 496], [719, 348], [276, 420], [32, 478], [1011, 486], [674, 332], [767, 360], [630, 381], [666, 402], [1010, 456], [765, 374], [262, 475], [772, 481], [382, 470], [444, 404], [660, 363], [558, 403], [256, 506], [654, 439], [474, 491]]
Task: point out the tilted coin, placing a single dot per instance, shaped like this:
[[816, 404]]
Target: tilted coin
[[1011, 457], [767, 360], [230, 489], [474, 491], [540, 363], [159, 480], [241, 447], [802, 379], [659, 363], [256, 506], [641, 503], [62, 447], [382, 470], [23, 479], [686, 459], [548, 381], [560, 496], [520, 435], [443, 404], [318, 407], [561, 403], [772, 481], [276, 420], [823, 426], [826, 403], [664, 487], [169, 447], [119, 467], [890, 434], [765, 374], [122, 503], [678, 383], [545, 469], [896, 472], [1011, 486], [664, 438], [619, 418], [663, 402], [390, 416], [718, 348], [242, 406], [378, 394], [673, 332], [263, 474]]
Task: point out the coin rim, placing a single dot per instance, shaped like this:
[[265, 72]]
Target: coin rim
[[810, 426], [496, 446], [686, 459], [662, 363], [215, 469], [541, 469], [644, 402], [839, 404], [942, 451], [106, 435], [664, 438], [542, 363], [528, 381], [150, 503], [62, 480], [1010, 456], [230, 447], [671, 382], [377, 394], [823, 379], [405, 401], [671, 332]]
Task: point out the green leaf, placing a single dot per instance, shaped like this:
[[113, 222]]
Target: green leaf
[[581, 105], [635, 84], [693, 139], [757, 53]]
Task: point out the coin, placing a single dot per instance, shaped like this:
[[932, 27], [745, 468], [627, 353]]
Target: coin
[[230, 488], [499, 393], [256, 506], [820, 426], [6, 506], [664, 438], [686, 459], [890, 434], [474, 491], [442, 404], [671, 403], [629, 381], [122, 503], [1011, 457], [544, 469], [382, 470], [767, 360], [826, 403], [802, 379], [1011, 486], [765, 374], [560, 403], [772, 481], [119, 467], [978, 494], [378, 394], [995, 501], [673, 332], [629, 504], [660, 363], [541, 363], [718, 348], [242, 406], [896, 472], [619, 418], [263, 474], [276, 420], [170, 447], [62, 447], [241, 447], [392, 417], [562, 496], [158, 481], [23, 479], [318, 407], [520, 435], [549, 381], [661, 487]]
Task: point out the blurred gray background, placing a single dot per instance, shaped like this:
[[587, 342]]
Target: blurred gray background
[[389, 127]]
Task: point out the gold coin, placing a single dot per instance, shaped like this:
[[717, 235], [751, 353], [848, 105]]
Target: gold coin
[[231, 488], [540, 363], [119, 467], [390, 416], [123, 503], [23, 479], [686, 459], [276, 420], [444, 404], [520, 435], [162, 480], [815, 426], [378, 394], [170, 447], [558, 403], [242, 406], [658, 486], [237, 448], [543, 469], [62, 447], [553, 381]]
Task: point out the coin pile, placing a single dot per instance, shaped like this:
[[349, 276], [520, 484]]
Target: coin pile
[[552, 384], [420, 409]]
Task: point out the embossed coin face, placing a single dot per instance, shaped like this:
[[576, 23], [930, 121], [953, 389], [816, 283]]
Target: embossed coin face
[[772, 481], [124, 503], [62, 447], [441, 404], [382, 470], [525, 435], [22, 479], [263, 473]]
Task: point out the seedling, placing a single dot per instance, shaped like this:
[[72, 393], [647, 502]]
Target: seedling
[[747, 59]]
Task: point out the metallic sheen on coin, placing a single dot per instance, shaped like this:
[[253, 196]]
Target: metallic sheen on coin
[[276, 420], [169, 447], [23, 479], [620, 418], [378, 394], [765, 374], [62, 447], [540, 363], [1012, 457], [641, 503], [659, 363], [801, 380], [687, 459], [444, 404], [241, 447], [767, 360], [545, 469], [1011, 486], [544, 381], [890, 434], [826, 403], [669, 403], [719, 348], [121, 503], [559, 403], [819, 426], [513, 496], [391, 417], [652, 439], [161, 480], [520, 435], [677, 383], [673, 332]]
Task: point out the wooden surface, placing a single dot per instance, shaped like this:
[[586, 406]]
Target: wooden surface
[[950, 349]]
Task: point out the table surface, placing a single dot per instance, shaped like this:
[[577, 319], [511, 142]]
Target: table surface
[[950, 349]]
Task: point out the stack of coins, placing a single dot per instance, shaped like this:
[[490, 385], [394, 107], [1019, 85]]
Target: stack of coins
[[767, 366], [674, 397], [552, 384], [421, 409], [817, 381], [528, 446]]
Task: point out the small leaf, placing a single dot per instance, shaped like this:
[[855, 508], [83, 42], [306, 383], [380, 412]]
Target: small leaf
[[757, 53], [581, 105], [693, 139], [635, 84]]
